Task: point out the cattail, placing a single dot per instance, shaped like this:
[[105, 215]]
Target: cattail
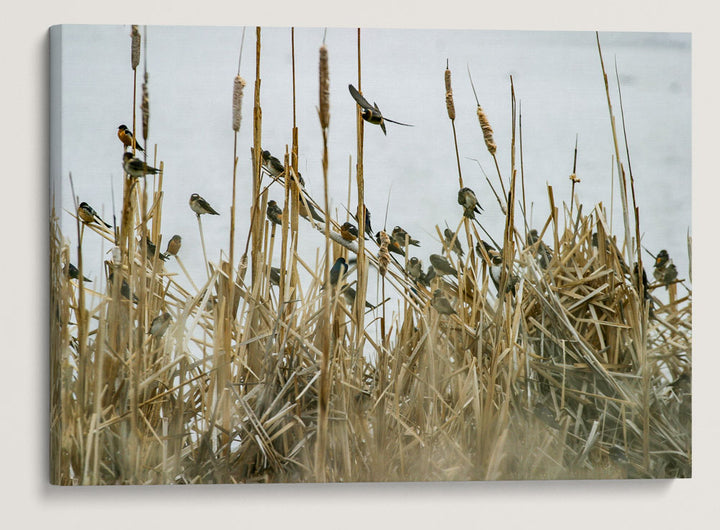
[[238, 87], [145, 108], [486, 130], [324, 88], [449, 96], [135, 47], [383, 254]]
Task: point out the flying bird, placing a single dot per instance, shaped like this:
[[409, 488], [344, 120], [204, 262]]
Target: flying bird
[[371, 113]]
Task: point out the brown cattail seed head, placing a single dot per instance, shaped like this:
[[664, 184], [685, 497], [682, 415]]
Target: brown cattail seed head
[[449, 96], [145, 109], [486, 130], [324, 88], [238, 87], [135, 47], [383, 254]]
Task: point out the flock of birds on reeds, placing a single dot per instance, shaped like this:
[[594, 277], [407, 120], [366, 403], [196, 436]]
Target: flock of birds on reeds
[[398, 241]]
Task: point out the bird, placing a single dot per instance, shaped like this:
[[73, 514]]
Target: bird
[[496, 267], [304, 210], [661, 259], [414, 268], [349, 232], [469, 202], [645, 285], [274, 213], [393, 246], [88, 215], [368, 226], [441, 304], [350, 294], [442, 265], [152, 249], [371, 113], [276, 168], [135, 167], [127, 138], [173, 246], [670, 275], [457, 247], [274, 275], [200, 205], [73, 272], [124, 289], [543, 252], [159, 325], [428, 276], [400, 236], [488, 247], [338, 269]]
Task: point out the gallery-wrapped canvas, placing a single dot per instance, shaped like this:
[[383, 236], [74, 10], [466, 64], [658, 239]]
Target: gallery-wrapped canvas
[[358, 255]]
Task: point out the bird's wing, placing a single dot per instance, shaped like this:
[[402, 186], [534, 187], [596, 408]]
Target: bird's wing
[[359, 99], [397, 122]]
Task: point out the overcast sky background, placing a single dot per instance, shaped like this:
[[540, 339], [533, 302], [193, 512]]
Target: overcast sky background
[[557, 80]]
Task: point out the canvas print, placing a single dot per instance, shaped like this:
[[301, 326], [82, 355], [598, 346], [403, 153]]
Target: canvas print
[[291, 255]]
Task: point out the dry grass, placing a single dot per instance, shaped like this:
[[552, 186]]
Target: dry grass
[[569, 377]]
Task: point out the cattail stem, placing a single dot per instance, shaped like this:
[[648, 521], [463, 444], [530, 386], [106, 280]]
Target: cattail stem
[[202, 240]]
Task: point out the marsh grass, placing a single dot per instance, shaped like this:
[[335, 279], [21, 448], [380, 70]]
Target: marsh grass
[[574, 375]]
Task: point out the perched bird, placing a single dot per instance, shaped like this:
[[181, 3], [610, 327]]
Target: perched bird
[[368, 226], [496, 267], [152, 249], [310, 209], [274, 213], [442, 265], [349, 293], [276, 168], [441, 304], [275, 276], [670, 275], [488, 247], [469, 202], [428, 276], [124, 289], [88, 215], [349, 232], [543, 253], [173, 246], [338, 269], [127, 138], [160, 325], [393, 246], [136, 167], [200, 205], [371, 113], [662, 258], [400, 235], [457, 248], [73, 272], [414, 269]]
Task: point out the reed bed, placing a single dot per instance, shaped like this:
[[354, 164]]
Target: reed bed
[[569, 368]]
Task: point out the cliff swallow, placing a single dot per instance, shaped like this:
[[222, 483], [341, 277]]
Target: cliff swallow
[[160, 325], [349, 293], [200, 205], [371, 113], [428, 276], [441, 304], [400, 235], [274, 213], [442, 265], [73, 272], [414, 268], [543, 253], [303, 211], [338, 269], [662, 258], [152, 249], [124, 289], [275, 276], [670, 275], [469, 202], [127, 138], [349, 232], [87, 214], [457, 248], [275, 167], [173, 246], [368, 226], [135, 167], [393, 246]]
